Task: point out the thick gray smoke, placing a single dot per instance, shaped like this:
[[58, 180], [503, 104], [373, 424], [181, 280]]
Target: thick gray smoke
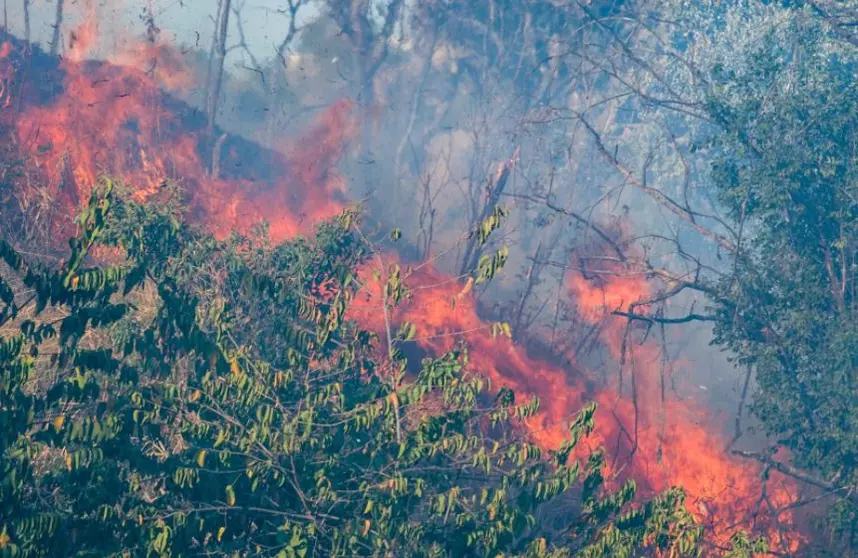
[[447, 92]]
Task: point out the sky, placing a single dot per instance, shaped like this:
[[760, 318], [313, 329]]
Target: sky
[[188, 22]]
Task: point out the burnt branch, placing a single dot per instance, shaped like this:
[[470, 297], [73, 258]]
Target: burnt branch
[[293, 6], [242, 45], [738, 431], [661, 320], [660, 197], [58, 23], [496, 190], [605, 237], [26, 20], [793, 472], [220, 52]]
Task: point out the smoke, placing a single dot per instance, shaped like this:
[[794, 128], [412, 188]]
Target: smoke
[[418, 125]]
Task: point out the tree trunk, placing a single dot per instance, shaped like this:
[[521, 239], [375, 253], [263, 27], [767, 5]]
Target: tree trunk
[[370, 50], [58, 23], [220, 58], [26, 21], [220, 53], [473, 250]]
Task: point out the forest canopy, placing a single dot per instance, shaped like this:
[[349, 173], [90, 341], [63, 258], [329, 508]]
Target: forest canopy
[[198, 396]]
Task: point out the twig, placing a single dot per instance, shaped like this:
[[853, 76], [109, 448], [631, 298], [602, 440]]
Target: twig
[[738, 424]]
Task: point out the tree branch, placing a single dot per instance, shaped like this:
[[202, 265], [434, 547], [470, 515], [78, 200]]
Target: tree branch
[[577, 217], [659, 320], [791, 471], [659, 196]]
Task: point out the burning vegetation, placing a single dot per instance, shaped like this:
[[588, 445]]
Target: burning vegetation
[[317, 300]]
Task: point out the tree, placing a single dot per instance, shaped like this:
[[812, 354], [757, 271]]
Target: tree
[[214, 82], [786, 170], [773, 85], [205, 396], [26, 8], [57, 25]]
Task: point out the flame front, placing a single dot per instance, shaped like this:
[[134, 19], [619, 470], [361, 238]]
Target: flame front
[[670, 441], [114, 118], [658, 442]]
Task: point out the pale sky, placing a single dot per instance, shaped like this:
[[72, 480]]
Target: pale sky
[[182, 19]]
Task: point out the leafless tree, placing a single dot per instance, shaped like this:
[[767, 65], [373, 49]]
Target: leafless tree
[[370, 41], [291, 11], [219, 59], [369, 46], [58, 23], [26, 20]]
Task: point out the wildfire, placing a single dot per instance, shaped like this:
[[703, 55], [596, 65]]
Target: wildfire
[[114, 117], [671, 445], [658, 442]]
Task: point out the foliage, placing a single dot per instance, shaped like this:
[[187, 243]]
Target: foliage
[[786, 169], [211, 397]]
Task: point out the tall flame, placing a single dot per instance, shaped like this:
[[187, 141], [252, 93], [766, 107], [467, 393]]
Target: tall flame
[[115, 119], [658, 442], [671, 445]]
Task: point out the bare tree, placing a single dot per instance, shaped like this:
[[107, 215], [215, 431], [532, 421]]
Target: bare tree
[[58, 23], [291, 11], [219, 52], [370, 38], [219, 59], [370, 46], [26, 21]]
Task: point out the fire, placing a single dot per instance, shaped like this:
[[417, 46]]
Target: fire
[[114, 118], [84, 36], [671, 445], [445, 314], [658, 442]]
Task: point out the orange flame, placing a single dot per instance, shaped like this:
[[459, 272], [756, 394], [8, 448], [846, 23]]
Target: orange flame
[[114, 118], [671, 445], [658, 442]]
